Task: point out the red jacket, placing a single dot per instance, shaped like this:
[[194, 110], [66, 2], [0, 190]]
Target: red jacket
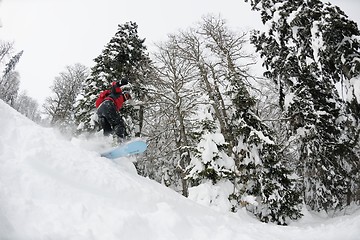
[[114, 95]]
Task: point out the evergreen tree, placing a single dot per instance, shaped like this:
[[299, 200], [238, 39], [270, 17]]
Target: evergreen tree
[[9, 87], [264, 176], [263, 173], [123, 57], [311, 52], [9, 79], [211, 170]]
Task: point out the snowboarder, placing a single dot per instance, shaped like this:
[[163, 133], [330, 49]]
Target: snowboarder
[[108, 105]]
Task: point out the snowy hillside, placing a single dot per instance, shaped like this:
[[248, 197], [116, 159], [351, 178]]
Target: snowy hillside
[[50, 188]]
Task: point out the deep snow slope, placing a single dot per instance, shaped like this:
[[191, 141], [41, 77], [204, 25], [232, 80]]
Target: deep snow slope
[[50, 188]]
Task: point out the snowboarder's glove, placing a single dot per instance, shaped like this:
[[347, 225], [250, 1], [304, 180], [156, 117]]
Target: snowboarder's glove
[[122, 82], [126, 95]]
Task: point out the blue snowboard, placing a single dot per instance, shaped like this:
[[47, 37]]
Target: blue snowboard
[[129, 148]]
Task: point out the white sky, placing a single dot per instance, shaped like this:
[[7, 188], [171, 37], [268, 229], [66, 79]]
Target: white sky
[[56, 33]]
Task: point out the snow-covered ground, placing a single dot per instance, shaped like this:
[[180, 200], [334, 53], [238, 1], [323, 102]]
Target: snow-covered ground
[[53, 188]]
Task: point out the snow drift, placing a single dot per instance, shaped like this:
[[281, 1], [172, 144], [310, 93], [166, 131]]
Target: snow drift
[[50, 188]]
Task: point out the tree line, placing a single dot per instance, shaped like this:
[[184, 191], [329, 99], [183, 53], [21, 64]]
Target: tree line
[[58, 109]]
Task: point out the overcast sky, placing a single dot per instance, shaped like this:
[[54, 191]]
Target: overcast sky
[[56, 33]]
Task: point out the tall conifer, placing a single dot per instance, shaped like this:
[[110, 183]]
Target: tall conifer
[[123, 57], [311, 51]]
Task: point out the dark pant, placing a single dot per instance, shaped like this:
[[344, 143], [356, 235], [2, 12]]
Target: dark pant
[[110, 120]]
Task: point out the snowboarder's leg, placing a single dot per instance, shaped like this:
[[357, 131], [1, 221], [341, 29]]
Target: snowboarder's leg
[[108, 111], [105, 126], [118, 125], [120, 129], [104, 110]]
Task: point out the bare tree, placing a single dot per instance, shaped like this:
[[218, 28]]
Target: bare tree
[[219, 55], [28, 107], [60, 107], [194, 69], [175, 100]]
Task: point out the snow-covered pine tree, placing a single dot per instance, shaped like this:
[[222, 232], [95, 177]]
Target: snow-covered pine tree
[[123, 57], [265, 183], [9, 87], [211, 170], [9, 79], [311, 51]]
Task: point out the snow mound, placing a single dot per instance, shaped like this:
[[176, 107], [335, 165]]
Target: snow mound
[[52, 188]]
